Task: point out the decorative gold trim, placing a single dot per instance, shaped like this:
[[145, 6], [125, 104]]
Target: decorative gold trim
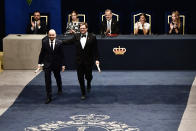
[[42, 16], [79, 15], [135, 22], [183, 21], [117, 16]]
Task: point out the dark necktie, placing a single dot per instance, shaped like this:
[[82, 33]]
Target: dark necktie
[[36, 28], [52, 45]]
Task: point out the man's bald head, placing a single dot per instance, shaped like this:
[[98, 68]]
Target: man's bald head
[[52, 34]]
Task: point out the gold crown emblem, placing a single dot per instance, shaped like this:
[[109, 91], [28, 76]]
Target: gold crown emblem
[[119, 51]]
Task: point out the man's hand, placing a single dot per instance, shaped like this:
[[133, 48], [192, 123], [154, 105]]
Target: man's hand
[[38, 68], [32, 24], [38, 23], [97, 62], [107, 31], [63, 68]]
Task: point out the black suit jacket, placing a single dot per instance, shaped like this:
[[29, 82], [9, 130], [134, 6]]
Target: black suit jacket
[[51, 58], [42, 30], [87, 55], [114, 27]]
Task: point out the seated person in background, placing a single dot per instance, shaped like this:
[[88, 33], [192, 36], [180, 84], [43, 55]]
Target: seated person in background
[[73, 26], [109, 25], [142, 27], [175, 26], [37, 26]]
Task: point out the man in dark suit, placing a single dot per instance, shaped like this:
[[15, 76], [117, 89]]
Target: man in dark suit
[[109, 25], [37, 26], [86, 54], [51, 56]]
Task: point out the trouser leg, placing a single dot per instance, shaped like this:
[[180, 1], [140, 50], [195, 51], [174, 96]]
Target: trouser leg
[[80, 74], [48, 82], [88, 75], [57, 76]]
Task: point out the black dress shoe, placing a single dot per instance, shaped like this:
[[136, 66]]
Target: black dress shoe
[[60, 92], [48, 100], [83, 97]]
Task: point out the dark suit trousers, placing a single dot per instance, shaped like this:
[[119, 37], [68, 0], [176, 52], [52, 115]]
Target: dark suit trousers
[[84, 71], [48, 81]]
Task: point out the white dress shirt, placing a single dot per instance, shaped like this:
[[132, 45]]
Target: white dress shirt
[[54, 42], [83, 40]]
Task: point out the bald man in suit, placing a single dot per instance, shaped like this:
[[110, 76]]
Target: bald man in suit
[[52, 57]]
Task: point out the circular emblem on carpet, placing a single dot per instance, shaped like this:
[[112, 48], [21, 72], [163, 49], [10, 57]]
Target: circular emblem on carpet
[[83, 123]]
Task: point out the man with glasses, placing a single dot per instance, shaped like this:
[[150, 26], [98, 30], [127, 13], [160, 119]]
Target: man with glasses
[[86, 54]]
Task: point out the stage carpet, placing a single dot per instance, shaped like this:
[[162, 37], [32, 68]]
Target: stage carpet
[[119, 101]]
